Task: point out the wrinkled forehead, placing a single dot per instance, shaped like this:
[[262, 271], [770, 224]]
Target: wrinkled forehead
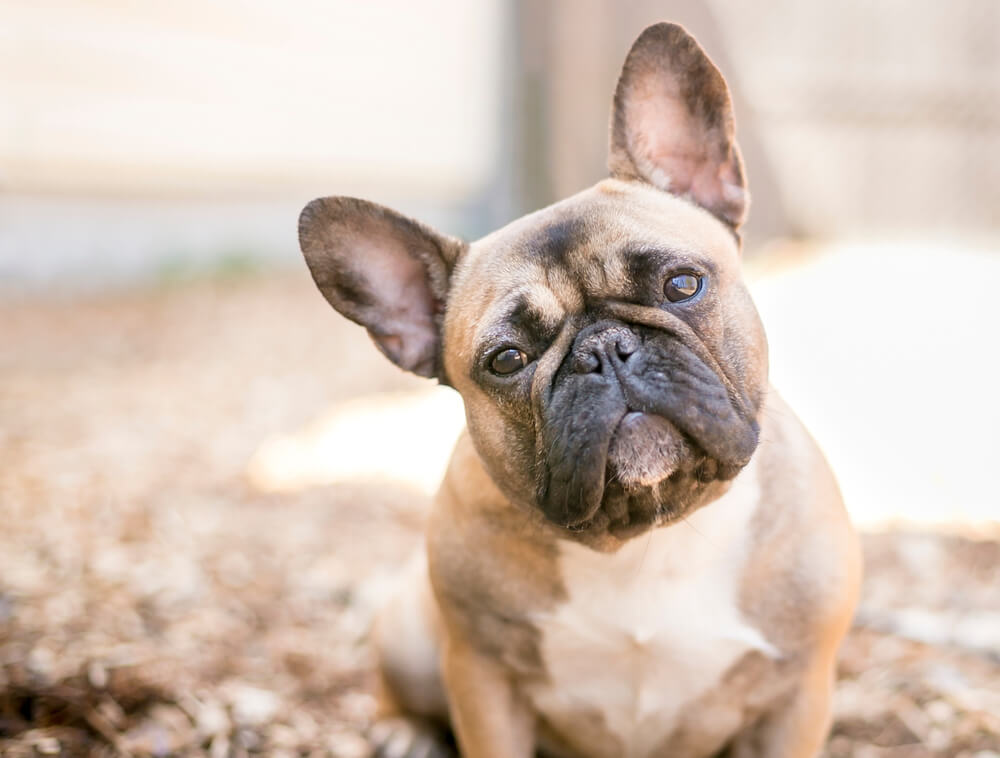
[[590, 247]]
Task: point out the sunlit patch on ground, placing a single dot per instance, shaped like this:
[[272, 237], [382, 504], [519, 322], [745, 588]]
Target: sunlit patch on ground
[[403, 437]]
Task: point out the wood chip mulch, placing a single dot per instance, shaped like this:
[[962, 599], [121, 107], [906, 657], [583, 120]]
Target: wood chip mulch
[[152, 603]]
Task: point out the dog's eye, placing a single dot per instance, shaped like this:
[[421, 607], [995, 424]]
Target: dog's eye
[[508, 360], [681, 287]]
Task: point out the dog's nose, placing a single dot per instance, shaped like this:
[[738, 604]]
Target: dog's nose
[[595, 349]]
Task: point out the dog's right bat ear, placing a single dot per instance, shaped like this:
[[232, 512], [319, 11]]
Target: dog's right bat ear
[[384, 271], [672, 124]]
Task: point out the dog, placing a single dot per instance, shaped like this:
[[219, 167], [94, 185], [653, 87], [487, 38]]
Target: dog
[[637, 549]]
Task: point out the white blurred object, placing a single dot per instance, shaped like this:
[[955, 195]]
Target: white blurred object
[[889, 353], [402, 437], [240, 95]]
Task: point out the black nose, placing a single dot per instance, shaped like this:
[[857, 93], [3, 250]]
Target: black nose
[[597, 346]]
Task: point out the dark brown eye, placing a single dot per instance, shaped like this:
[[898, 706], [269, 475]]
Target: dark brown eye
[[507, 361], [681, 287]]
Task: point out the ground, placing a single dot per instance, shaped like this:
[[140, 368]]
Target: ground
[[158, 599]]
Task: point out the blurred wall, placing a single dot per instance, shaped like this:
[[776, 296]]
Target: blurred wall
[[881, 117], [245, 95], [855, 118], [132, 132], [142, 137]]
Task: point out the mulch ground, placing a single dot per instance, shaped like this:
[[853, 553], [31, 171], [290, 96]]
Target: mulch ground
[[153, 602]]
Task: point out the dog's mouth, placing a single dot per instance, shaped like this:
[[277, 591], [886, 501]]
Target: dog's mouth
[[654, 475]]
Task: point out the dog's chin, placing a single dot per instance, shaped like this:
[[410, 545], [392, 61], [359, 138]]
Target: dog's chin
[[654, 476], [645, 450]]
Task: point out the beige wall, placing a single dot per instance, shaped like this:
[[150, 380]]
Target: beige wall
[[855, 117], [248, 95]]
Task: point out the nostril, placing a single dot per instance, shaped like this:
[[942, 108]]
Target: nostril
[[625, 346], [586, 362]]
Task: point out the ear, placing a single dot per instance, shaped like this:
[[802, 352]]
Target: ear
[[384, 271], [672, 124]]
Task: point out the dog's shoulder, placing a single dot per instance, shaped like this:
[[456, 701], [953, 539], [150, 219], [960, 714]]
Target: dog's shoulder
[[805, 567]]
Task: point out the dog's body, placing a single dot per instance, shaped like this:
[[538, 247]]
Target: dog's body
[[637, 550]]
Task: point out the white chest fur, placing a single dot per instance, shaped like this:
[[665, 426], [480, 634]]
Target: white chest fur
[[648, 629]]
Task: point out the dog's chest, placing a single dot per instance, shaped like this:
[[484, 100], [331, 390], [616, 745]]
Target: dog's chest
[[647, 631]]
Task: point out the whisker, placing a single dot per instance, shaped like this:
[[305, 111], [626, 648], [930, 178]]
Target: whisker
[[699, 532]]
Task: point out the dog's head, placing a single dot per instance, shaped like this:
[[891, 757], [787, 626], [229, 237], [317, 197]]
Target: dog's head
[[610, 358]]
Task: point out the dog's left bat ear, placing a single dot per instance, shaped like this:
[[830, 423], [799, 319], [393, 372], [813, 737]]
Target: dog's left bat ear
[[672, 124], [384, 271]]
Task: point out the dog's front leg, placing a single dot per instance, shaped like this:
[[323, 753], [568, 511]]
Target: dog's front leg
[[489, 717], [798, 728]]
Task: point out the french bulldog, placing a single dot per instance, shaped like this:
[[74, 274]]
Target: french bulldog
[[637, 549]]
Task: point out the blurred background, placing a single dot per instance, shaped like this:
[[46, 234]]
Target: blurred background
[[208, 479]]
